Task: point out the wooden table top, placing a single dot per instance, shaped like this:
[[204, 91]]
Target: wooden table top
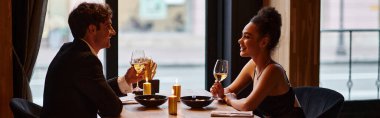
[[139, 111]]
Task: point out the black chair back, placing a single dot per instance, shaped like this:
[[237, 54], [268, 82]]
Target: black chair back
[[22, 108], [361, 109], [319, 102]]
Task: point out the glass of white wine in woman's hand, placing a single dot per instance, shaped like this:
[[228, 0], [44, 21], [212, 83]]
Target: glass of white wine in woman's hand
[[137, 61], [220, 72]]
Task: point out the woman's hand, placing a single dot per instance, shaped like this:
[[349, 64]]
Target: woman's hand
[[228, 97], [217, 90]]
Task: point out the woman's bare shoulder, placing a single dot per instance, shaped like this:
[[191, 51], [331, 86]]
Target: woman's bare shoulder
[[249, 67], [275, 68]]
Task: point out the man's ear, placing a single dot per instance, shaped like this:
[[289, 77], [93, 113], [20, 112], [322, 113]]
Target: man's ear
[[91, 28]]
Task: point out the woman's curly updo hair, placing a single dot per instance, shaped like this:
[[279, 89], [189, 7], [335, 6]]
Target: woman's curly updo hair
[[85, 14], [268, 22]]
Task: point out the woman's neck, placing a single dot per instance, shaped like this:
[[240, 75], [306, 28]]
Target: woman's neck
[[262, 61]]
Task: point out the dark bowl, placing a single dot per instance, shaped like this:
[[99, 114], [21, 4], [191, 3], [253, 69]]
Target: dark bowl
[[197, 101], [151, 100]]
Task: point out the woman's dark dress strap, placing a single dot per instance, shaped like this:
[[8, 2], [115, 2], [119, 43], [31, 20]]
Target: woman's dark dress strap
[[280, 105]]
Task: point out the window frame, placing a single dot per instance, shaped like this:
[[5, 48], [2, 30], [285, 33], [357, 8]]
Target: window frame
[[230, 16]]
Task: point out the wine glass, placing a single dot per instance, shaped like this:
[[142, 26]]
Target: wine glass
[[220, 71], [137, 61], [148, 68]]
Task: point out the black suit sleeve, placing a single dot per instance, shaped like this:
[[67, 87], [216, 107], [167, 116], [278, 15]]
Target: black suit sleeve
[[115, 86], [93, 85]]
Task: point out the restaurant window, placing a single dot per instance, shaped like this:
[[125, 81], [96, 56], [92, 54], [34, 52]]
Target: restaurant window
[[350, 25], [171, 32], [56, 32]]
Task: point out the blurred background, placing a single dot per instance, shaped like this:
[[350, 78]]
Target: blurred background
[[172, 32]]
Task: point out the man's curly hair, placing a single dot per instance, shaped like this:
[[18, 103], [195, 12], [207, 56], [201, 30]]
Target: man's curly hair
[[86, 14]]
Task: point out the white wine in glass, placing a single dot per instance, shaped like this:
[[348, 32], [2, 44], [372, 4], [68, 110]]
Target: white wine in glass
[[220, 76], [148, 68], [137, 61], [138, 67], [220, 72]]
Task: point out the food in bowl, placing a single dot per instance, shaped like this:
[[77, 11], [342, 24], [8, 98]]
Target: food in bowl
[[151, 100], [197, 101]]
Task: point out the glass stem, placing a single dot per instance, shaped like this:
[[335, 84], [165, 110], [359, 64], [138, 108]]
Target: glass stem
[[137, 84]]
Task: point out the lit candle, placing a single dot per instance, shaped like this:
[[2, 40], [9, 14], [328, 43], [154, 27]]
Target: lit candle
[[172, 104], [177, 90], [147, 88]]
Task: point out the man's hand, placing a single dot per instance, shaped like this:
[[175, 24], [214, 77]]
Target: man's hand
[[130, 76]]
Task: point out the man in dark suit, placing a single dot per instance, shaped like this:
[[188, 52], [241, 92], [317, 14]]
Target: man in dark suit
[[75, 85]]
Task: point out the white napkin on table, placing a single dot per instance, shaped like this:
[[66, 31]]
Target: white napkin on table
[[129, 99], [129, 102], [231, 113]]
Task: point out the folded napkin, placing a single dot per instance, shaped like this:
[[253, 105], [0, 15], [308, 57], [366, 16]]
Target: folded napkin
[[231, 114], [129, 102], [128, 99]]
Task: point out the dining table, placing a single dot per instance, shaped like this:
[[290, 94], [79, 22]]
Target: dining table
[[135, 110]]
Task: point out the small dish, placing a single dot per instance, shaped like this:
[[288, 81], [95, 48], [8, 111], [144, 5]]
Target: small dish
[[151, 100], [197, 101]]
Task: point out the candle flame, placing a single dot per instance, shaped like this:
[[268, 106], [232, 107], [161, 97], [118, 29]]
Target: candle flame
[[176, 81], [172, 91], [146, 79]]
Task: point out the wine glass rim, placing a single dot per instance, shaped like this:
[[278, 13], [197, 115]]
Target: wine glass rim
[[137, 54], [222, 59]]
